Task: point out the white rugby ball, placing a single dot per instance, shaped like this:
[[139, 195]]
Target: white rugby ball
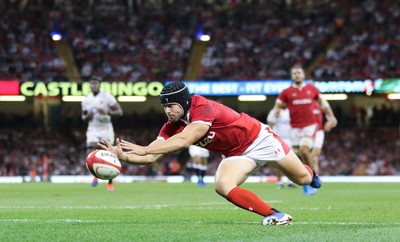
[[103, 164]]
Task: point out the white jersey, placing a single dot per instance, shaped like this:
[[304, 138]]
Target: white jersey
[[281, 123], [102, 100]]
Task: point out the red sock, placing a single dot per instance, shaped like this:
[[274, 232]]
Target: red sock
[[310, 171], [249, 201]]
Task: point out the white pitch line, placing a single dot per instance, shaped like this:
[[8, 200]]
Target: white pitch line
[[155, 206], [200, 221], [57, 221], [326, 223], [345, 223]]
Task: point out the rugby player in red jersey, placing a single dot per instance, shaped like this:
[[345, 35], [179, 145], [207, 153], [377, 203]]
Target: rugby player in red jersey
[[299, 98], [246, 145]]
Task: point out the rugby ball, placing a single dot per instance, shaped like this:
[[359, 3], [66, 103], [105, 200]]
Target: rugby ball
[[103, 164]]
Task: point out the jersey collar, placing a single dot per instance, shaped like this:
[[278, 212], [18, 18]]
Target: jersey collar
[[186, 118], [299, 86]]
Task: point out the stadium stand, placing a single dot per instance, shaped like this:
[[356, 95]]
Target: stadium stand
[[250, 40], [27, 52], [368, 45], [147, 47], [152, 41], [267, 39]]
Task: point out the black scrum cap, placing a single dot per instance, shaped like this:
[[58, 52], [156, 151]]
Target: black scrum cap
[[177, 93]]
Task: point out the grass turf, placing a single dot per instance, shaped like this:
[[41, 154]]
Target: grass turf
[[185, 212]]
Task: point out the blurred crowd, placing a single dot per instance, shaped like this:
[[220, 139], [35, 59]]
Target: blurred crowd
[[27, 52], [335, 39], [152, 45], [264, 40], [362, 152], [368, 45], [28, 148], [151, 40]]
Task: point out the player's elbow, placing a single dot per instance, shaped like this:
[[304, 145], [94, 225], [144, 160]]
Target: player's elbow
[[116, 112], [324, 104]]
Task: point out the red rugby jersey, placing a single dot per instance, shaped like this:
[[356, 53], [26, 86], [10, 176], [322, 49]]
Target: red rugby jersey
[[318, 115], [299, 102], [230, 133]]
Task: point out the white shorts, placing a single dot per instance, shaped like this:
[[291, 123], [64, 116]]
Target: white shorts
[[198, 151], [98, 135], [297, 133], [319, 139], [267, 147]]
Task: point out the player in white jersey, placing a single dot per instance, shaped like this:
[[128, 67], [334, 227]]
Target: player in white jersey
[[97, 109], [199, 157], [281, 125]]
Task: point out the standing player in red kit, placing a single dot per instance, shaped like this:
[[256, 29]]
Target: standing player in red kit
[[246, 145], [299, 98]]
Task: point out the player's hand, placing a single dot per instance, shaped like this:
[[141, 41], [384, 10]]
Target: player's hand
[[327, 126], [131, 148], [333, 121], [127, 146], [330, 124], [102, 111], [116, 150], [90, 116]]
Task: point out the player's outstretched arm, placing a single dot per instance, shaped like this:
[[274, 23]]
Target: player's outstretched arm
[[192, 133], [125, 157]]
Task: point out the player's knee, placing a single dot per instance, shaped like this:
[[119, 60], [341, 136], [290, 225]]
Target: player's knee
[[223, 187], [219, 188], [220, 191], [306, 142], [305, 150]]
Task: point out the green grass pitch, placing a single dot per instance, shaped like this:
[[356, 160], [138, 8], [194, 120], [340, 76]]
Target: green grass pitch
[[185, 212]]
